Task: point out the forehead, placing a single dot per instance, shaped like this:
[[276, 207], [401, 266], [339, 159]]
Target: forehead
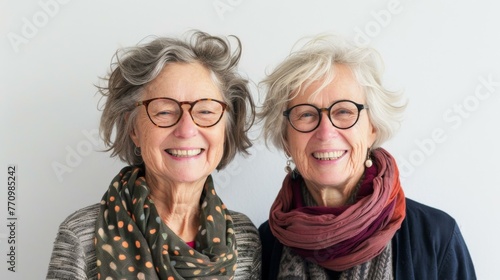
[[322, 92], [184, 82]]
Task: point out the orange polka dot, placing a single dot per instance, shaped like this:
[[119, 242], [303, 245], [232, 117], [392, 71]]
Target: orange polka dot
[[165, 246], [111, 198], [120, 224], [152, 231], [138, 244], [218, 209], [130, 228], [117, 208], [176, 252], [116, 238], [191, 252], [138, 257], [122, 257], [216, 240], [165, 252], [125, 244], [148, 264], [131, 268], [170, 278], [210, 218], [134, 200]]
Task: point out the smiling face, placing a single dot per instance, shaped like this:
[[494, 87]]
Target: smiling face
[[183, 153], [328, 157]]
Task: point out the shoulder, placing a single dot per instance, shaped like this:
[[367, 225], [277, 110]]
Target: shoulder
[[73, 255], [430, 232], [84, 214], [78, 231], [271, 251], [243, 226], [78, 228], [248, 245], [427, 225], [82, 220], [418, 213], [264, 228], [247, 236], [266, 236]]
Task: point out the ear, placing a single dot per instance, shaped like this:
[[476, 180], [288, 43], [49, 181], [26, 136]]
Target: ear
[[372, 135], [285, 147], [133, 133]]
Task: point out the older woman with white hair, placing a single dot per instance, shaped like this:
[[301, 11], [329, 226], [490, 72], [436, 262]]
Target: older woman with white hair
[[341, 212]]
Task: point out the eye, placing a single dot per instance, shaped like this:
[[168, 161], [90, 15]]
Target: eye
[[206, 108], [304, 114], [163, 113], [204, 112], [166, 114], [343, 113]]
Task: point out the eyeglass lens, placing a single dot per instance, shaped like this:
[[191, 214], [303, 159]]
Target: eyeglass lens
[[306, 117]]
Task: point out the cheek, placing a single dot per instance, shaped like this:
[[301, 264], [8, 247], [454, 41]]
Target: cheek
[[296, 146], [217, 140], [360, 141], [151, 138], [140, 130]]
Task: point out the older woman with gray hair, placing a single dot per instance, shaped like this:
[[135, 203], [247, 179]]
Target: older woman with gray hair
[[341, 212], [175, 111]]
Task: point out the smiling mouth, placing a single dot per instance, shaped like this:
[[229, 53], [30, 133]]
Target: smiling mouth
[[328, 155], [184, 153]]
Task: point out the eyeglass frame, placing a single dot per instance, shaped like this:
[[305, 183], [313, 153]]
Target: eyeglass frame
[[360, 107], [180, 103]]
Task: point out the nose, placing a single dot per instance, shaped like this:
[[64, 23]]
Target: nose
[[325, 130], [186, 127]]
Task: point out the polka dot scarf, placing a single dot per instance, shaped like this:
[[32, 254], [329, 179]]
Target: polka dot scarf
[[132, 242]]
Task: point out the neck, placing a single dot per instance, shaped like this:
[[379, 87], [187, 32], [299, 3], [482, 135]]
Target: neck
[[334, 196], [330, 197], [178, 206]]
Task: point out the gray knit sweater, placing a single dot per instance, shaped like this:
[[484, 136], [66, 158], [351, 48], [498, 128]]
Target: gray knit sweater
[[74, 257]]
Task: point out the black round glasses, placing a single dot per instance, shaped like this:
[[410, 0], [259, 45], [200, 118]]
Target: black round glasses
[[343, 114]]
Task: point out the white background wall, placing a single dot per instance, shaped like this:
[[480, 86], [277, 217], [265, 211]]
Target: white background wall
[[444, 54]]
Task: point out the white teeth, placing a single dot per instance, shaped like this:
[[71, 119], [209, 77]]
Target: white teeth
[[184, 153], [328, 155]]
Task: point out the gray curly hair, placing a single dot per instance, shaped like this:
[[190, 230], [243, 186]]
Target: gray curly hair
[[134, 67]]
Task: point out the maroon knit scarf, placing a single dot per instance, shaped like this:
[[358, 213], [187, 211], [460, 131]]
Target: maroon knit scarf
[[339, 238]]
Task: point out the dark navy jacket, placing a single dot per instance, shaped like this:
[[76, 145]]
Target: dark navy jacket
[[428, 246]]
